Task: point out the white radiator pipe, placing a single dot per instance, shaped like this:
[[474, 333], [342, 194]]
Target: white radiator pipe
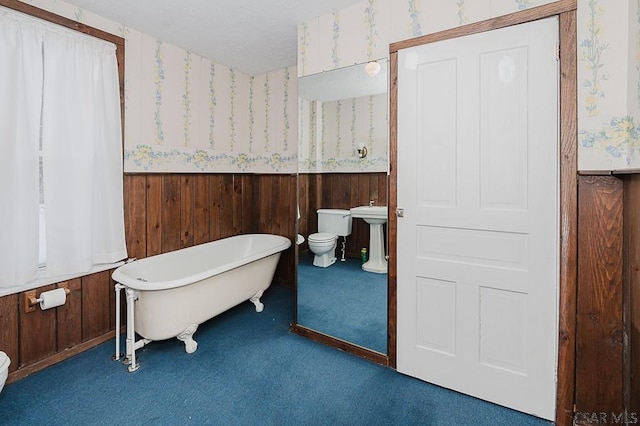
[[117, 355], [140, 343], [131, 335]]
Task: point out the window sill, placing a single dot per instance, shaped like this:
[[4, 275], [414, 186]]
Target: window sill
[[42, 280]]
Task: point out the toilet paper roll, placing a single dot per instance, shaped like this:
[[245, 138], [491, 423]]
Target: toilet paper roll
[[53, 298]]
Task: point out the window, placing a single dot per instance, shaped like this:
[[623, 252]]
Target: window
[[61, 145]]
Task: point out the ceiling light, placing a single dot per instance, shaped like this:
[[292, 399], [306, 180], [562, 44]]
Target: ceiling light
[[372, 69]]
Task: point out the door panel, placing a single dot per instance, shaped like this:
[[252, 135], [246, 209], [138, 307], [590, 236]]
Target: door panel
[[478, 243]]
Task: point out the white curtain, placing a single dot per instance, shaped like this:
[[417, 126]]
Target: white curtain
[[20, 101], [82, 153], [78, 103]]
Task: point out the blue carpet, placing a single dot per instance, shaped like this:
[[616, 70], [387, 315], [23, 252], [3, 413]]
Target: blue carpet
[[248, 370], [343, 301]]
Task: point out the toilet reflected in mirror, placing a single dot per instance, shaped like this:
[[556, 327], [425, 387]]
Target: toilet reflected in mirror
[[332, 224]]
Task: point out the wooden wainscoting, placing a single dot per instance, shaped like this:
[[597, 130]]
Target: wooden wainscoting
[[166, 212], [340, 191], [608, 302], [35, 340], [599, 340], [163, 212], [632, 292]]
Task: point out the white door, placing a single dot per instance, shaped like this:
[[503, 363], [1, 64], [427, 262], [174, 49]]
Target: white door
[[478, 243]]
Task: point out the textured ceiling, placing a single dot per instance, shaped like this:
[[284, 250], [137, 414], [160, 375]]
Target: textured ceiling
[[252, 36]]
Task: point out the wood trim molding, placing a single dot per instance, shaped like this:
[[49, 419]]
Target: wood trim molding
[[615, 172], [567, 304], [392, 227], [345, 346], [58, 357]]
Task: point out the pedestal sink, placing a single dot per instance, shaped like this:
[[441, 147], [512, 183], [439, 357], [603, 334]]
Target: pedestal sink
[[375, 216]]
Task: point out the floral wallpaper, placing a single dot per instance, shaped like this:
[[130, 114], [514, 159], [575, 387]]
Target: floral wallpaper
[[634, 84], [608, 44], [205, 117], [187, 113], [608, 37], [330, 133]]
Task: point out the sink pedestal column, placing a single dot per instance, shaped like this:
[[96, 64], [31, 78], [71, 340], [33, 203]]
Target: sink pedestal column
[[377, 261]]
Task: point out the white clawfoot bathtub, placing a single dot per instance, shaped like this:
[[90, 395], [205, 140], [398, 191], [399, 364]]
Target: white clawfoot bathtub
[[170, 294]]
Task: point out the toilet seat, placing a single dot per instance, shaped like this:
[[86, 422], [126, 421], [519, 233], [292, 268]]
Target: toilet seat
[[323, 246], [3, 360], [322, 237], [4, 369]]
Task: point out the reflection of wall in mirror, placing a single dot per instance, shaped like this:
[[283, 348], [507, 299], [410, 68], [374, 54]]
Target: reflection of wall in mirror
[[331, 133], [340, 191]]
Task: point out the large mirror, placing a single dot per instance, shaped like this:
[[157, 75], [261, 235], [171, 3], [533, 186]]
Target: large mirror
[[343, 191]]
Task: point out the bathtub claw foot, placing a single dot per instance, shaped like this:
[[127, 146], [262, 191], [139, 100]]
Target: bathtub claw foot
[[186, 336], [256, 301]]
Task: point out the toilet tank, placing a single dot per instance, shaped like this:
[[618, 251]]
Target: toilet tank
[[335, 221]]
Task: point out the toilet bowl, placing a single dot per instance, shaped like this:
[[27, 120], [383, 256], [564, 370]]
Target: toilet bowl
[[4, 369], [332, 223], [323, 245]]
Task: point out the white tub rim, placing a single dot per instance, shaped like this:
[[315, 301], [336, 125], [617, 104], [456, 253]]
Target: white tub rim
[[138, 283]]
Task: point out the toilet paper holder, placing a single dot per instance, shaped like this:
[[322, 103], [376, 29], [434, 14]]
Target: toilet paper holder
[[31, 300]]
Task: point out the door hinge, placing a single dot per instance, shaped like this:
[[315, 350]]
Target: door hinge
[[557, 51]]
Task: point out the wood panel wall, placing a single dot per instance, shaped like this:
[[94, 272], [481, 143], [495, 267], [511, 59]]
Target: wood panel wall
[[37, 339], [168, 212], [632, 292], [340, 191], [163, 212], [608, 305], [599, 340]]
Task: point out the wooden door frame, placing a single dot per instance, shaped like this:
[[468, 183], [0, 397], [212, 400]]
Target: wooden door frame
[[566, 11]]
